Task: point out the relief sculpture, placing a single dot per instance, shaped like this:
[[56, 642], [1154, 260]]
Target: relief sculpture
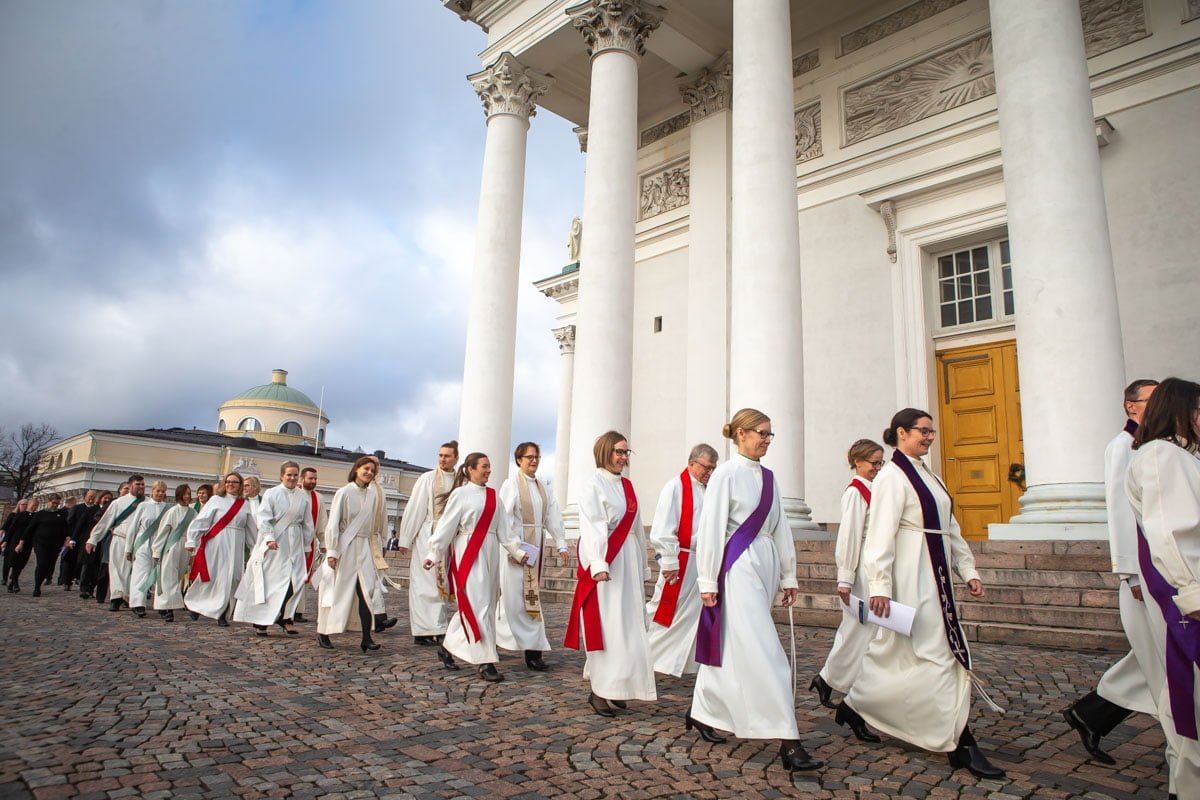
[[664, 190], [808, 132], [1109, 24]]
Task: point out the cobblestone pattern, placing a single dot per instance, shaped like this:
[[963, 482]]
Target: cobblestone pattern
[[102, 705]]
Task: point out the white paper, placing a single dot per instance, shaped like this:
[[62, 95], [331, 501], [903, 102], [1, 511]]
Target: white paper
[[900, 619], [533, 551]]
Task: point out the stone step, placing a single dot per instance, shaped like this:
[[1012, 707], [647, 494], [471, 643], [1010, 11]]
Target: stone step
[[1096, 619]]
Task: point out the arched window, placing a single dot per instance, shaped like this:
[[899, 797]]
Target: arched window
[[220, 426], [69, 458], [291, 428], [250, 424], [321, 436]]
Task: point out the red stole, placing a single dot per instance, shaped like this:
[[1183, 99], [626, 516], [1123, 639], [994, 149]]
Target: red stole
[[585, 601], [461, 571], [199, 561], [665, 614], [312, 547], [862, 489]]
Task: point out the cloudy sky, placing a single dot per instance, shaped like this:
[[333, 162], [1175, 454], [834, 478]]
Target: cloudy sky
[[194, 193]]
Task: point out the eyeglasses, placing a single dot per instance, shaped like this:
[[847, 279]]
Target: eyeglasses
[[876, 464], [619, 452], [233, 482], [767, 435], [924, 431], [704, 467], [532, 458]]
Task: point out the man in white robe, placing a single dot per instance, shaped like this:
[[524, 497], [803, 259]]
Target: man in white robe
[[139, 553], [312, 544], [673, 645], [1126, 686], [428, 598], [109, 535], [275, 572]]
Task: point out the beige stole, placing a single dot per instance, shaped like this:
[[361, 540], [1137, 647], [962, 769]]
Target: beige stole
[[439, 498], [530, 531]]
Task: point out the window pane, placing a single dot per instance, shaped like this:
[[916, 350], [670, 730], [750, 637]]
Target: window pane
[[949, 320], [983, 283], [945, 266], [980, 255], [966, 312], [947, 291], [962, 262], [1006, 277], [964, 287], [1008, 304], [983, 308], [1004, 255]]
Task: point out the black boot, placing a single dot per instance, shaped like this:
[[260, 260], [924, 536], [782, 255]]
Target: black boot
[[114, 605], [383, 622], [533, 660], [369, 644], [824, 691], [968, 755], [848, 716], [490, 674], [1090, 739], [795, 757]]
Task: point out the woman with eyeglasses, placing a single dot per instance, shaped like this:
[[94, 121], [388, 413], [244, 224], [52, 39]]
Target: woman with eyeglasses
[[533, 514], [854, 634], [744, 556], [1163, 486], [608, 614], [916, 688], [216, 541]]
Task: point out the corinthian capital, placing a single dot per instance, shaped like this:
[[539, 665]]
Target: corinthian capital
[[616, 24], [566, 339], [711, 90], [507, 87]]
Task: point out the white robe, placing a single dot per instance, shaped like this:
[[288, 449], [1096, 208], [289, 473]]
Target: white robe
[[673, 649], [269, 573], [912, 688], [428, 611], [337, 598], [751, 693], [225, 554], [306, 545], [118, 567], [853, 637], [515, 629], [142, 564], [1163, 486], [623, 669], [173, 563], [456, 525]]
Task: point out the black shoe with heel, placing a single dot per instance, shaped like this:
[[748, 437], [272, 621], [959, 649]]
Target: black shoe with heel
[[971, 757], [706, 731], [848, 716], [490, 674], [533, 660], [369, 644], [324, 642], [1089, 738], [824, 691], [447, 660], [599, 705], [795, 757]]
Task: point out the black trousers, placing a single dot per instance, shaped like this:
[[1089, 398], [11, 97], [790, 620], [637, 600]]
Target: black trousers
[[14, 562], [47, 556], [1099, 714], [364, 613], [68, 567], [93, 576]]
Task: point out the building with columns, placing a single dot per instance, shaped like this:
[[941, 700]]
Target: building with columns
[[830, 211]]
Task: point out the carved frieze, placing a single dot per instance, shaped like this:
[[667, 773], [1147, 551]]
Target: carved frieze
[[808, 132], [665, 128], [896, 21], [943, 81], [711, 90], [664, 189], [1109, 24], [806, 63], [508, 87], [615, 24]]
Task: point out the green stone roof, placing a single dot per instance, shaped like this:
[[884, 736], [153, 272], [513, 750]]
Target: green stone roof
[[278, 393]]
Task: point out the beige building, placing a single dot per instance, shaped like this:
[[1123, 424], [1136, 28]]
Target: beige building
[[258, 430]]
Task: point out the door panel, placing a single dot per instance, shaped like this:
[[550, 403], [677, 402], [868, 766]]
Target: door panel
[[979, 409]]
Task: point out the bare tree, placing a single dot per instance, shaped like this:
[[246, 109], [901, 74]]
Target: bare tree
[[22, 457]]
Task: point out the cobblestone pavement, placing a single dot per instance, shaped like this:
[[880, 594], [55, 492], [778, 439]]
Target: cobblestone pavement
[[102, 705]]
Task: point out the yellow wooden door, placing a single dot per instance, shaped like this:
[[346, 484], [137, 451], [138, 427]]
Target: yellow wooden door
[[980, 421]]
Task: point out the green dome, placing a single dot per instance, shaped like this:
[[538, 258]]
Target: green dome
[[277, 391]]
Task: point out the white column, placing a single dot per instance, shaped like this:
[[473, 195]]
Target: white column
[[562, 435], [509, 92], [1068, 328], [615, 31], [707, 408], [766, 354]]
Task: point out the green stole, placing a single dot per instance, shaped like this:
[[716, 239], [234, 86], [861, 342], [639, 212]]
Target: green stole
[[108, 534], [155, 578]]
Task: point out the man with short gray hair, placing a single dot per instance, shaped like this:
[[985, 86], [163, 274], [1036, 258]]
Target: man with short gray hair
[[675, 608]]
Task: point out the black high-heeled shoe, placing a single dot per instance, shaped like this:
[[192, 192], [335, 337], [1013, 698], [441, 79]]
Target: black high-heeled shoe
[[599, 705], [971, 757], [447, 660], [323, 641], [706, 731], [824, 691], [848, 716], [490, 674], [795, 757], [370, 645]]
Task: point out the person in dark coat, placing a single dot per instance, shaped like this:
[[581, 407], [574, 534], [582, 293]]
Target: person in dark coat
[[16, 544], [79, 522], [93, 577], [48, 534]]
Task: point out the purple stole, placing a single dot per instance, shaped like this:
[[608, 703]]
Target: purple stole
[[937, 559], [708, 637], [1183, 642]]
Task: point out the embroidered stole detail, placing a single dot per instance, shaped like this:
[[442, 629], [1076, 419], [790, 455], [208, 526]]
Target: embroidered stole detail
[[955, 637], [312, 546], [461, 571], [532, 533], [708, 636], [437, 505], [669, 600], [200, 561], [585, 602]]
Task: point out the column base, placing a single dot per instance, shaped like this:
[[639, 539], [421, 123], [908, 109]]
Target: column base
[[1057, 511], [799, 517], [570, 518]]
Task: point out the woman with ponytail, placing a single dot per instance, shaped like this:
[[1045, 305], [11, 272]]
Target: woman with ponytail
[[477, 525], [744, 556]]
